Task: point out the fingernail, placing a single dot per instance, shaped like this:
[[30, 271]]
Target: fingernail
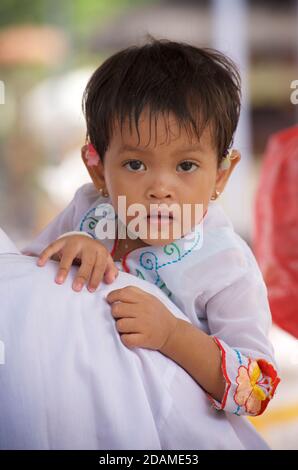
[[77, 286], [59, 279], [91, 289]]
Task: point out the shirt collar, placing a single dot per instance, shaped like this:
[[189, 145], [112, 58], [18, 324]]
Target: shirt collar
[[154, 258]]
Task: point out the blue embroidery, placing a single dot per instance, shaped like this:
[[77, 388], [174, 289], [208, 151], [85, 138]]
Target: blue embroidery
[[91, 222], [240, 362], [139, 274], [153, 264], [238, 356]]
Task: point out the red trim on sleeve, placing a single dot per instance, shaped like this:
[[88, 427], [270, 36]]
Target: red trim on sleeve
[[224, 371], [268, 370], [114, 246]]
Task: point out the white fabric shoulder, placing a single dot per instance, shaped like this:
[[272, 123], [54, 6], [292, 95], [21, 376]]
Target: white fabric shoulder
[[57, 392]]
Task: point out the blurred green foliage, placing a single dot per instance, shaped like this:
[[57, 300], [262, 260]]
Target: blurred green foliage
[[78, 15]]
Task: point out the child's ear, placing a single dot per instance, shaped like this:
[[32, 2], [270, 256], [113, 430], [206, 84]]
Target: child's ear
[[223, 175], [94, 166]]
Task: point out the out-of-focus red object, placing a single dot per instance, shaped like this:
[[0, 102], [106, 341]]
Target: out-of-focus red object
[[275, 233]]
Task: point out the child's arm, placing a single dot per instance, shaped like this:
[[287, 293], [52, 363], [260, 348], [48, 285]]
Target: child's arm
[[235, 364], [198, 354]]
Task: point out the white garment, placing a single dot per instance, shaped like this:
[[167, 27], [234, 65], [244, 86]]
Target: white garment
[[213, 277], [68, 382]]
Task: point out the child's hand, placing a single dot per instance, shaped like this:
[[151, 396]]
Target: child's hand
[[96, 261], [141, 318]]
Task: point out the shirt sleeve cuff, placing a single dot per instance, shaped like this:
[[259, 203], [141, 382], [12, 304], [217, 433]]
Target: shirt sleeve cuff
[[66, 234], [250, 382]]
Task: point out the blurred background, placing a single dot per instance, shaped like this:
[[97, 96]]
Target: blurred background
[[48, 51]]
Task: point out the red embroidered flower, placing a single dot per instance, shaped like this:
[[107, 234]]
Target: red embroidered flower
[[256, 385]]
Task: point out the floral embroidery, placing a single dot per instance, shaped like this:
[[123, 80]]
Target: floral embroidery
[[255, 384], [255, 389]]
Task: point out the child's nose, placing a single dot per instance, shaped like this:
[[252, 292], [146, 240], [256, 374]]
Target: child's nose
[[158, 193]]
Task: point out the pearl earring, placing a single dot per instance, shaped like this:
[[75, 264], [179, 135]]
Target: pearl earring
[[103, 193], [217, 193]]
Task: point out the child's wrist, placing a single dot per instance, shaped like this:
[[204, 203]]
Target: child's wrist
[[172, 330]]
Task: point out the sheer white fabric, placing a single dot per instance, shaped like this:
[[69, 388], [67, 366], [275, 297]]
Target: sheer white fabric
[[68, 382]]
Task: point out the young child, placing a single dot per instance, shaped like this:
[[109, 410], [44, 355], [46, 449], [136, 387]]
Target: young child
[[192, 96]]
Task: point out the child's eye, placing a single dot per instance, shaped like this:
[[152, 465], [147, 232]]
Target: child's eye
[[187, 165], [134, 164]]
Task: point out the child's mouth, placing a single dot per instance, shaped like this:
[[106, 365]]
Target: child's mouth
[[160, 220], [160, 214], [160, 217]]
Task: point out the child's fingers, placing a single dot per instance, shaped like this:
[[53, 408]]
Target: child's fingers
[[111, 271], [49, 251], [84, 272], [97, 273], [65, 264], [57, 256]]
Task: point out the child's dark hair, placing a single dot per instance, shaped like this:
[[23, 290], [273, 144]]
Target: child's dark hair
[[200, 86]]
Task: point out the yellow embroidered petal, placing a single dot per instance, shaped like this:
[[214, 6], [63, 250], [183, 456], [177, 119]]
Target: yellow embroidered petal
[[261, 395], [254, 373]]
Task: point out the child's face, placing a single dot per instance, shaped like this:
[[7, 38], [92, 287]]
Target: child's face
[[171, 169]]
